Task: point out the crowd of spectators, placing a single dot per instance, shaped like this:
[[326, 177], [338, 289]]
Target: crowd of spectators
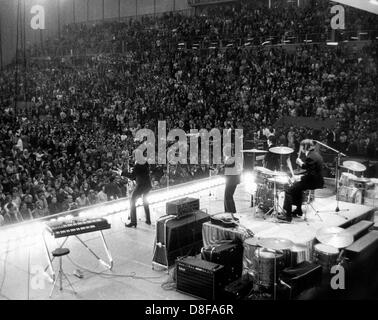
[[64, 147]]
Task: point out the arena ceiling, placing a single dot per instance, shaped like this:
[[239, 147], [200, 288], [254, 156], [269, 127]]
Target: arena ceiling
[[367, 5]]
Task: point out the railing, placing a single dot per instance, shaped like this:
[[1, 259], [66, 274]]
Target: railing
[[207, 2], [121, 46]]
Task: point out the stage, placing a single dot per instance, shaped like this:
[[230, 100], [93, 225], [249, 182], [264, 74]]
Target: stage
[[23, 260]]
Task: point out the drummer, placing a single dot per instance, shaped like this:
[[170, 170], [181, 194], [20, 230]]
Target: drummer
[[311, 180], [272, 161]]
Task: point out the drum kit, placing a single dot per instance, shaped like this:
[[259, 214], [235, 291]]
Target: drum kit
[[271, 184], [353, 188], [329, 251], [268, 257]]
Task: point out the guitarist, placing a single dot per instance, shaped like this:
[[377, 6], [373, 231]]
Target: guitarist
[[232, 181]]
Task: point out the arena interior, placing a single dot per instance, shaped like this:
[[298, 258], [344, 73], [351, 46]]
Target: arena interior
[[107, 109]]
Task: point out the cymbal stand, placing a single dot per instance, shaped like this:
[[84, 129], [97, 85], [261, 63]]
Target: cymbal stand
[[338, 158], [273, 212]]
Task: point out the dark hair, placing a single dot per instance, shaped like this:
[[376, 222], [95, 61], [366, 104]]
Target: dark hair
[[308, 144], [273, 139]]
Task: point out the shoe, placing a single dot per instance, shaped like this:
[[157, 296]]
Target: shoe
[[148, 222], [298, 212], [130, 225], [284, 218]]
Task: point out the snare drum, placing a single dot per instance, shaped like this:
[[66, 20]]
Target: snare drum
[[262, 174], [325, 255], [282, 182], [268, 265], [346, 179]]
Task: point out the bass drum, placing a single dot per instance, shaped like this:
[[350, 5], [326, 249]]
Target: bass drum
[[264, 198], [349, 194]]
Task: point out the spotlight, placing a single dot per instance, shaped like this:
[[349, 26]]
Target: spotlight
[[248, 179]]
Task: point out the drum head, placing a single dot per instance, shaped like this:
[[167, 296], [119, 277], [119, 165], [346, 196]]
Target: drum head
[[263, 253], [251, 241], [326, 249], [263, 170]]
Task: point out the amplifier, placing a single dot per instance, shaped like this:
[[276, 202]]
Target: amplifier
[[302, 277], [178, 237], [199, 278], [230, 255], [238, 289], [182, 207]]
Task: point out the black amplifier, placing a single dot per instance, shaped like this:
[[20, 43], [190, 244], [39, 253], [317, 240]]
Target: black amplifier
[[302, 277], [238, 289], [178, 237], [228, 254], [199, 278], [182, 207]]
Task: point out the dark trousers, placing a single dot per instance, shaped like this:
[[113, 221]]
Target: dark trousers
[[294, 195], [140, 191], [229, 203]]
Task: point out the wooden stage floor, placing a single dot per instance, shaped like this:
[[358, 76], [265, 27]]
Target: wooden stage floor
[[132, 277]]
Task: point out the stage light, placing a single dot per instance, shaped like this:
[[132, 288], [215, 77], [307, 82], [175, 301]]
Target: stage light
[[248, 179]]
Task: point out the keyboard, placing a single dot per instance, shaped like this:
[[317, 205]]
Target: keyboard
[[76, 226]]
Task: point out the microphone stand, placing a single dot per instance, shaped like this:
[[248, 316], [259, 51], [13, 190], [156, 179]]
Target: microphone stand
[[339, 155]]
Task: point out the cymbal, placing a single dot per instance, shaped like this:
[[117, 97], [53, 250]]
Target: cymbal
[[281, 150], [279, 173], [335, 236], [275, 243], [254, 151], [263, 170], [363, 180], [354, 166]]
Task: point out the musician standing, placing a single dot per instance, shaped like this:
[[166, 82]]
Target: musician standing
[[141, 174], [311, 180], [232, 181]]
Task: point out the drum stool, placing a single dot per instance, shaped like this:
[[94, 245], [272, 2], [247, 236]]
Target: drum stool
[[309, 200], [60, 253]]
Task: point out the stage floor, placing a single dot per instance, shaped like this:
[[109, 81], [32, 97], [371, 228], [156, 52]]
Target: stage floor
[[22, 262]]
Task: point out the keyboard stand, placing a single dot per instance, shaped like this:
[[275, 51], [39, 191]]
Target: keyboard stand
[[50, 259]]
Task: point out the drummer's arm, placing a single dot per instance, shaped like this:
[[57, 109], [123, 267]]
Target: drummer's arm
[[289, 165], [308, 163]]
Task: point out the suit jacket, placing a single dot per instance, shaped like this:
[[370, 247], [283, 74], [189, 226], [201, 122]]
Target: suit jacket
[[313, 165], [141, 174]]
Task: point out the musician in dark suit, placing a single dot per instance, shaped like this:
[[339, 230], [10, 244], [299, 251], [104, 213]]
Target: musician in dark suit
[[141, 175], [311, 180]]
